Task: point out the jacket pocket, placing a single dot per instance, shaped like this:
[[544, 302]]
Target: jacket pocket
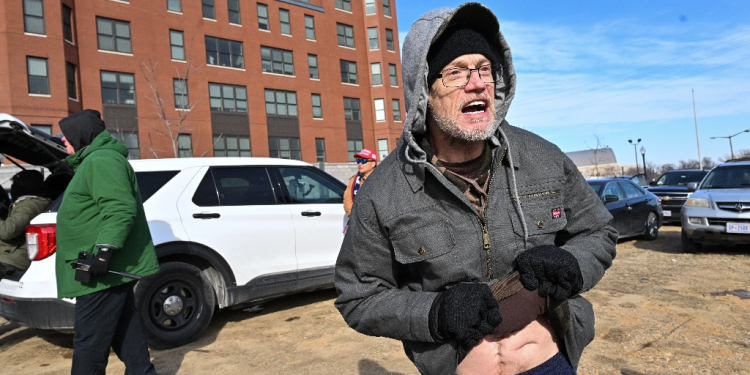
[[416, 244], [543, 212]]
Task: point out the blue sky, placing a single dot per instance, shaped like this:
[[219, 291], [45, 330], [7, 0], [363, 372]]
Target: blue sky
[[624, 70]]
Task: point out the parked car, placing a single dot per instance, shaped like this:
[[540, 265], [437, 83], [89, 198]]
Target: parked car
[[227, 232], [718, 211], [636, 212], [672, 188]]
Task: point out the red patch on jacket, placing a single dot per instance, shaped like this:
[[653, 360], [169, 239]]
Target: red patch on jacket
[[556, 213]]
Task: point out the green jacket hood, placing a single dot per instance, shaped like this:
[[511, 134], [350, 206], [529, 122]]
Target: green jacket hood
[[103, 141]]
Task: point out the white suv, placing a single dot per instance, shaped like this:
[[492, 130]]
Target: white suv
[[227, 231], [718, 212]]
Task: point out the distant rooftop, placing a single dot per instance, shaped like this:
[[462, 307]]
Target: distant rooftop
[[587, 158]]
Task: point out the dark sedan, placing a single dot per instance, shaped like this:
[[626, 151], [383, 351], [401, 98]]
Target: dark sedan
[[636, 211]]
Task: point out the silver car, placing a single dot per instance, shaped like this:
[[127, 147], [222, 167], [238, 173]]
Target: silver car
[[718, 211]]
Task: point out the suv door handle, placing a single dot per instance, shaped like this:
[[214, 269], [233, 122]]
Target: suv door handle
[[206, 215], [310, 213]]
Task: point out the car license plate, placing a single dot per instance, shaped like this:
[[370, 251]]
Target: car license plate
[[738, 228], [667, 213]]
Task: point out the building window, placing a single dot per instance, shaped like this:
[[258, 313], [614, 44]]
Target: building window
[[38, 75], [379, 110], [387, 7], [46, 129], [181, 100], [312, 63], [184, 146], [372, 37], [130, 139], [343, 5], [345, 34], [382, 149], [389, 40], [231, 145], [113, 35], [351, 110], [33, 16], [67, 19], [317, 106], [281, 103], [353, 146], [224, 52], [278, 61], [392, 73], [377, 77], [369, 6], [208, 9], [227, 98], [70, 75], [396, 110], [118, 88], [309, 27], [284, 148], [320, 149], [348, 72], [177, 42], [234, 11], [286, 25], [174, 5], [263, 16]]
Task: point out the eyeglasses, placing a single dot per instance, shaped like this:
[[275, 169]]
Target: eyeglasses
[[362, 161], [459, 77]]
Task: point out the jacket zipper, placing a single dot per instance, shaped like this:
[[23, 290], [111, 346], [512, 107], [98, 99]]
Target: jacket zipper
[[485, 232]]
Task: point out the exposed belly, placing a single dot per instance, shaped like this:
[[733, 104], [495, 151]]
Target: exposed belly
[[513, 353]]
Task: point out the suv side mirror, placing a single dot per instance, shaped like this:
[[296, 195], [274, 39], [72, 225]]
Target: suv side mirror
[[692, 186], [610, 198], [652, 183]]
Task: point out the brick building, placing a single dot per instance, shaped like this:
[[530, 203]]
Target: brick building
[[313, 80]]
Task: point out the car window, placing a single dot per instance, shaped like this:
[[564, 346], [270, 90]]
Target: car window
[[630, 190], [613, 189], [597, 186], [680, 178], [731, 177], [307, 186], [150, 182], [235, 186]]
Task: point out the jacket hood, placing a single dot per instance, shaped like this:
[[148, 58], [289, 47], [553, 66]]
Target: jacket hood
[[103, 141], [82, 127], [423, 33]]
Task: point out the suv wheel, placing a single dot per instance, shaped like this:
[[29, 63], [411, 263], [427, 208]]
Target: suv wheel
[[175, 305], [688, 245], [652, 228]]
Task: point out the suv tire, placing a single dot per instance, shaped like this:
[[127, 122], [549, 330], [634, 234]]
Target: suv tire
[[689, 246], [176, 305], [652, 228]]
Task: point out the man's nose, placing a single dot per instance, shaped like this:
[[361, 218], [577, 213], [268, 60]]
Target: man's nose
[[475, 82]]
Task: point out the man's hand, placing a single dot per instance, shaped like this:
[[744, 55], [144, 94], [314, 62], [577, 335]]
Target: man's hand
[[468, 312], [100, 263], [551, 269]]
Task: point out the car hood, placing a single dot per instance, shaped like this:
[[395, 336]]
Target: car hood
[[23, 142], [723, 195], [680, 188]]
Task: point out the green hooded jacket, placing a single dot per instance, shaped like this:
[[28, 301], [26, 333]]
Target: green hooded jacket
[[102, 205], [13, 230]]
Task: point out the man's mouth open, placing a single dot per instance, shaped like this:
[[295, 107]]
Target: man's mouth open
[[475, 107]]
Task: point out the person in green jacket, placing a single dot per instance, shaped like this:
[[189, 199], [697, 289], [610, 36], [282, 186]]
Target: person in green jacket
[[102, 213], [26, 190]]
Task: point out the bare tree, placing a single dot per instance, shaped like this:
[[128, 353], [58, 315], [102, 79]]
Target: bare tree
[[595, 158], [172, 117]]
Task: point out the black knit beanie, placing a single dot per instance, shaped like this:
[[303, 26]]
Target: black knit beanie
[[28, 182], [455, 41]]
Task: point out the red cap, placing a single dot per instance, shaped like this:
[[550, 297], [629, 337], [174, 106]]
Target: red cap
[[366, 153]]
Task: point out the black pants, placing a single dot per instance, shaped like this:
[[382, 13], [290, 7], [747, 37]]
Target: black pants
[[105, 319]]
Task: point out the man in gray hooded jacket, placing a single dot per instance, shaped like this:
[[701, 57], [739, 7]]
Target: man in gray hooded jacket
[[467, 199]]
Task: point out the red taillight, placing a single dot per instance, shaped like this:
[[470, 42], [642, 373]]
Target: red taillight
[[41, 241]]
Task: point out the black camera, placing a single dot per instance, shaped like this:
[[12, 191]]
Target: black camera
[[82, 266]]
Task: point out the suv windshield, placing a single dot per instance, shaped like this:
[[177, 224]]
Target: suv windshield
[[730, 177], [679, 178]]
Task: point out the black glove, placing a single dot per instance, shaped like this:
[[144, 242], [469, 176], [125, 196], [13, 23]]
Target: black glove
[[551, 269], [100, 263], [468, 312]]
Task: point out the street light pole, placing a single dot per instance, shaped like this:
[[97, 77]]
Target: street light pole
[[731, 149], [697, 136], [635, 151], [643, 153]]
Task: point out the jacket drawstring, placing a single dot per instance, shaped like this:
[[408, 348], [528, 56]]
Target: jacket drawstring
[[515, 189]]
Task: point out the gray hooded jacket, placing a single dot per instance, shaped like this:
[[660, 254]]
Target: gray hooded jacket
[[412, 233]]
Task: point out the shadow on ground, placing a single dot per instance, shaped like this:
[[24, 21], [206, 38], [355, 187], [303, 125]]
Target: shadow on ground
[[369, 367], [670, 242]]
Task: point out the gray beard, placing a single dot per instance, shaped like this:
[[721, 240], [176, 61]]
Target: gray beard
[[449, 125]]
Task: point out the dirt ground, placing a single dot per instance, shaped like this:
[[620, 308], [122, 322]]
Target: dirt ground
[[658, 311]]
